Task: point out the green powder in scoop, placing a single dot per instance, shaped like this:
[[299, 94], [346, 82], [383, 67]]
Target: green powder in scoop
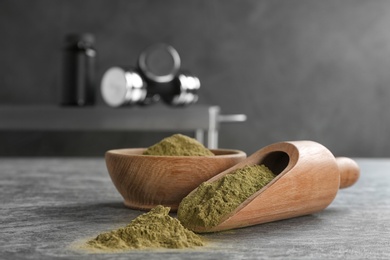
[[211, 201]]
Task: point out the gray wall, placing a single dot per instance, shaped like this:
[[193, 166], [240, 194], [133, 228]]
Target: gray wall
[[304, 69]]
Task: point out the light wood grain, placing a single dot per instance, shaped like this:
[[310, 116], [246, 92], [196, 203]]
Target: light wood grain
[[349, 171], [146, 181], [307, 182]]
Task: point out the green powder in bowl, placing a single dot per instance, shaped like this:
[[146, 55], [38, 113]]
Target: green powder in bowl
[[178, 145]]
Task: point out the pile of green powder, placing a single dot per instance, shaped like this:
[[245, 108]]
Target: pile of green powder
[[155, 229], [178, 145], [213, 200]]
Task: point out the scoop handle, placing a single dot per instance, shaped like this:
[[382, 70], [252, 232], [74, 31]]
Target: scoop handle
[[349, 171]]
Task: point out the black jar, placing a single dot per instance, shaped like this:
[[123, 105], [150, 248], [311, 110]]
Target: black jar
[[79, 59]]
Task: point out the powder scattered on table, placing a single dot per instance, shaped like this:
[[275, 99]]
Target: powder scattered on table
[[213, 200], [154, 229], [178, 145]]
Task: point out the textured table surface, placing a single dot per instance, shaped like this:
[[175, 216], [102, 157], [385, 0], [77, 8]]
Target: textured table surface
[[47, 205]]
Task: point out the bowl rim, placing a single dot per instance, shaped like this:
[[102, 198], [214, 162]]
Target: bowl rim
[[226, 153]]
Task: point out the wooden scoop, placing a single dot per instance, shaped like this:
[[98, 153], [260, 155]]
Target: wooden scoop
[[308, 178]]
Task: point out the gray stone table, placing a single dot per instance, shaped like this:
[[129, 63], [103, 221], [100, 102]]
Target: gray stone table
[[49, 204]]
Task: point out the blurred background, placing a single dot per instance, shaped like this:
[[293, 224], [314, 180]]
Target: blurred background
[[316, 70]]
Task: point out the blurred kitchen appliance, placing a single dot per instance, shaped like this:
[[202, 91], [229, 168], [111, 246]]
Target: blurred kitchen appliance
[[123, 86], [156, 76], [79, 56]]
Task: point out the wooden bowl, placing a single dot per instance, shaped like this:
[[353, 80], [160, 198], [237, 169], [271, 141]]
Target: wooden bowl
[[145, 181]]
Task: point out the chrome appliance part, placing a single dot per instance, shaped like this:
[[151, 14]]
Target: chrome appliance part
[[159, 63], [185, 90], [120, 87]]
